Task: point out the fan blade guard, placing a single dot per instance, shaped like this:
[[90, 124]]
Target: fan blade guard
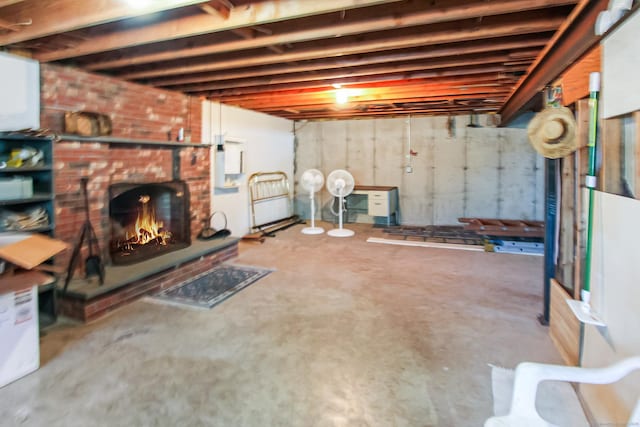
[[340, 183], [312, 180]]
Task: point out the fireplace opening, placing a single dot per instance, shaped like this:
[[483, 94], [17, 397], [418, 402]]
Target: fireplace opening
[[148, 220]]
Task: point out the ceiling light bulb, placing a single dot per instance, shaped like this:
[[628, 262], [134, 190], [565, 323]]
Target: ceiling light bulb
[[342, 96]]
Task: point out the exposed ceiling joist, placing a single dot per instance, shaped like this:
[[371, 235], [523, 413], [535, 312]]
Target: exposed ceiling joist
[[414, 40], [57, 16], [428, 52], [409, 93], [283, 57], [570, 42], [4, 3], [427, 16], [255, 14], [321, 102], [495, 74], [217, 7], [342, 74], [388, 111]]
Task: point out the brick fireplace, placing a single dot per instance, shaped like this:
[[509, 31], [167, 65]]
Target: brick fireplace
[[142, 118], [137, 113]]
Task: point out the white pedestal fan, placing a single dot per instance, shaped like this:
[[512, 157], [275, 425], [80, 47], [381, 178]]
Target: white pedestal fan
[[340, 184], [312, 181]]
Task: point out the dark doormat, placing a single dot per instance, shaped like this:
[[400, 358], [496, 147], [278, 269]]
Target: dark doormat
[[213, 286]]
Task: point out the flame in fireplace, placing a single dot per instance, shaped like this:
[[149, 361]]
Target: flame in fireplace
[[147, 229]]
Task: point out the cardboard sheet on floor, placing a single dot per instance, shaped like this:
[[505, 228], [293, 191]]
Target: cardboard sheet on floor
[[29, 250]]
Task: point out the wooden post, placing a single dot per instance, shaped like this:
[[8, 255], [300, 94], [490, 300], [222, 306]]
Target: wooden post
[[564, 330], [565, 267]]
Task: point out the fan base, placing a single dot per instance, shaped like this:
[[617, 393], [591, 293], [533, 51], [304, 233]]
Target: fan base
[[340, 232], [312, 230]]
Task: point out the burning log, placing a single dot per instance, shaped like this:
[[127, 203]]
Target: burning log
[[144, 235], [146, 229], [134, 243]]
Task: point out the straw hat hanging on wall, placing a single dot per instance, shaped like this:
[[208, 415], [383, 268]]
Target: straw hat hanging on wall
[[552, 132]]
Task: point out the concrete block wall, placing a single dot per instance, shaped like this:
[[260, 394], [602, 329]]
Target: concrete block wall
[[137, 112], [474, 172]]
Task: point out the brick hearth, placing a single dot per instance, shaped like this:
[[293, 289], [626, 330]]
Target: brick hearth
[[88, 307]]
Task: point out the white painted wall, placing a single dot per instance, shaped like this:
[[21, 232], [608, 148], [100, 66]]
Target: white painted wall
[[620, 64], [615, 270], [477, 172], [268, 146], [615, 295]]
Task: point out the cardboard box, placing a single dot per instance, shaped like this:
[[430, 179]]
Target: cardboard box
[[29, 250], [19, 330]]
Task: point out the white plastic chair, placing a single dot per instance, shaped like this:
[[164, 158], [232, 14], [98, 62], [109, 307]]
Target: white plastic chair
[[528, 375]]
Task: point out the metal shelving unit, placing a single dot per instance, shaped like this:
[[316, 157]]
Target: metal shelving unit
[[42, 197]]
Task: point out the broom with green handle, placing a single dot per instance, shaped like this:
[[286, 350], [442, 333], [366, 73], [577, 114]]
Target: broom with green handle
[[590, 182]]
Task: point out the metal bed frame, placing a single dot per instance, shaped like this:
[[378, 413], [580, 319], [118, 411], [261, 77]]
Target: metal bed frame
[[265, 187]]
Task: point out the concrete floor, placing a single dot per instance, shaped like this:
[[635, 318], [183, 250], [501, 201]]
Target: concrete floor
[[343, 333]]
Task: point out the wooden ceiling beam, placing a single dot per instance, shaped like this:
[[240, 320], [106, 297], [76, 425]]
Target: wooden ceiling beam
[[485, 46], [331, 103], [282, 78], [276, 49], [398, 20], [494, 73], [328, 96], [402, 108], [363, 109], [59, 16], [423, 92], [398, 85], [4, 3], [381, 110], [216, 7], [574, 37], [247, 33], [408, 105], [253, 14], [448, 99], [396, 112], [498, 30]]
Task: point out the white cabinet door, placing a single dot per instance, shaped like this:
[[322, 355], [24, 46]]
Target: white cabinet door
[[378, 203]]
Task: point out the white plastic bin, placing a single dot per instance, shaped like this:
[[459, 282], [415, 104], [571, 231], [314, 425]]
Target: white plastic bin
[[19, 340]]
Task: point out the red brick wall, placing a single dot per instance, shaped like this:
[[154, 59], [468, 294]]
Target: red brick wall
[[137, 112]]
